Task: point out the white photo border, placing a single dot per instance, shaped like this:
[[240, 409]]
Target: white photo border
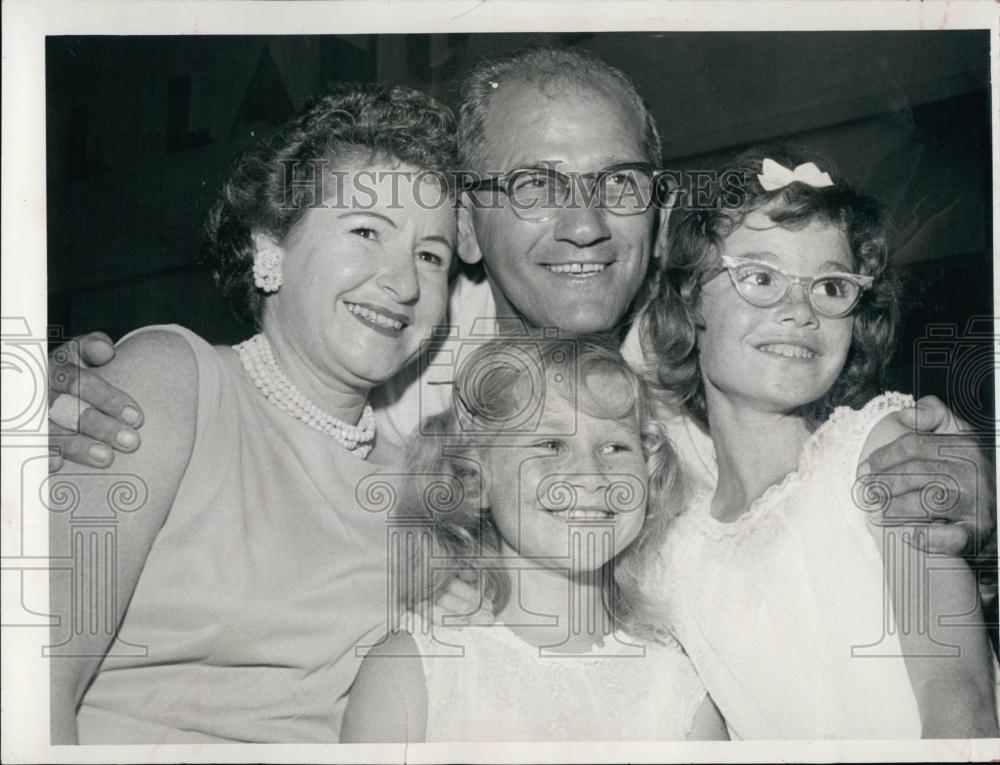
[[26, 23]]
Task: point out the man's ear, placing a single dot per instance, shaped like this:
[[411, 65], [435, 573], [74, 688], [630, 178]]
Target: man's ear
[[468, 247]]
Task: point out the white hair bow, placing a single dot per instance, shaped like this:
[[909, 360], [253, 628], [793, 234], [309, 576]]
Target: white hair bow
[[776, 176]]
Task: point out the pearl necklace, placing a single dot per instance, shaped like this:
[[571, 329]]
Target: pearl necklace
[[261, 367]]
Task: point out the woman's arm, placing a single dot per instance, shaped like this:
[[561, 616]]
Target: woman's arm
[[160, 368], [940, 627], [708, 724], [388, 701]]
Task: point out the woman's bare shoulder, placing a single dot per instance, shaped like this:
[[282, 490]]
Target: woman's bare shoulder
[[159, 369], [154, 359]]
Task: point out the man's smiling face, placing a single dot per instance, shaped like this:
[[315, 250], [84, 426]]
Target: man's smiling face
[[579, 270]]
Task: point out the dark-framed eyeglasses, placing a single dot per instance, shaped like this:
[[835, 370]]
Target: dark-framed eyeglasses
[[538, 193], [761, 284]]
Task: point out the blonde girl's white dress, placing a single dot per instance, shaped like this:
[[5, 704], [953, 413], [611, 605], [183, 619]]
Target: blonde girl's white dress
[[784, 611], [484, 683]]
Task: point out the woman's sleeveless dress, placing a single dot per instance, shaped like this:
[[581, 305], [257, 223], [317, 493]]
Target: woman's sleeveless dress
[[264, 576]]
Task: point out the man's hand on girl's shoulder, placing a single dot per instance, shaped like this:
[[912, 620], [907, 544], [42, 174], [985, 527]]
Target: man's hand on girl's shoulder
[[939, 479]]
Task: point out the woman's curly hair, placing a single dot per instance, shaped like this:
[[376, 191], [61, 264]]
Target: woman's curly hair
[[448, 462], [272, 185], [696, 238]]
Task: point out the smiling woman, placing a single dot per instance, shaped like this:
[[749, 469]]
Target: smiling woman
[[250, 572], [363, 286]]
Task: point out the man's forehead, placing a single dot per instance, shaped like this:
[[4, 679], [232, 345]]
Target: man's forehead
[[532, 126]]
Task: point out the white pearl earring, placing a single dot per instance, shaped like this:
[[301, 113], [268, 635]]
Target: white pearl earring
[[267, 267]]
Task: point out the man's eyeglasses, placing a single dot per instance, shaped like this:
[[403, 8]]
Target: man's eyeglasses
[[764, 285], [536, 194]]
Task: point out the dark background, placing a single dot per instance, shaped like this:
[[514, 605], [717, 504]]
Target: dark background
[[141, 132]]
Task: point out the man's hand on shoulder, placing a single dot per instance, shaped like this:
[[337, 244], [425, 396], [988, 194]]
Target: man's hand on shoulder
[[89, 419], [939, 479]]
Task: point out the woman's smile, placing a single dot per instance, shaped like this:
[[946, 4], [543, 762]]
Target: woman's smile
[[379, 318]]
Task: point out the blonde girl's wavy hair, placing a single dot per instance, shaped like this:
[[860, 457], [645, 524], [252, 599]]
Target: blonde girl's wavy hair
[[493, 398]]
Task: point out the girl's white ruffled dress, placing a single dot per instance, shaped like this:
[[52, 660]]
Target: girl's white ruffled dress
[[783, 611]]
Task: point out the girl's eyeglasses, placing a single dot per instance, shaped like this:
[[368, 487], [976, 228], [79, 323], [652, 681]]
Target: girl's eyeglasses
[[832, 295]]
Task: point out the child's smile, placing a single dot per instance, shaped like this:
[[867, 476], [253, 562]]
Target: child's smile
[[549, 489], [788, 350]]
